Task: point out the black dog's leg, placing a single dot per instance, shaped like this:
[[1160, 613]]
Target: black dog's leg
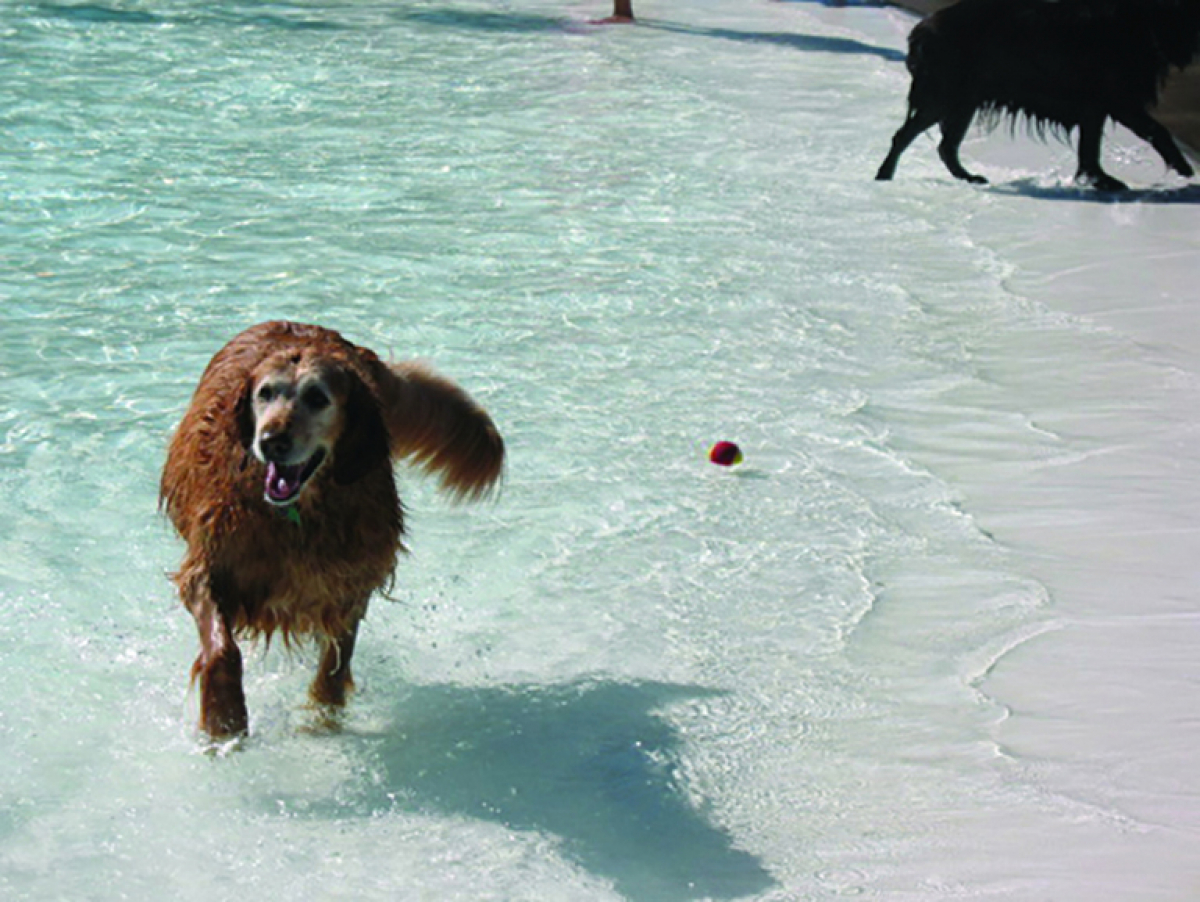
[[1148, 129], [918, 121], [954, 129], [1091, 132]]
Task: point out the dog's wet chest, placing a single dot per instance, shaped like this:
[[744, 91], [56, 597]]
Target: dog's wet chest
[[295, 552]]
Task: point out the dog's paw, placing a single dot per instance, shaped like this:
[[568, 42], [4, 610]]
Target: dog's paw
[[1103, 182], [323, 720]]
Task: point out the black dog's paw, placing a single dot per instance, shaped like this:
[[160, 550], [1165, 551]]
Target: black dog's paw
[[1102, 181]]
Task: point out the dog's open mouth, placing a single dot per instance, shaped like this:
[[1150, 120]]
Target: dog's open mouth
[[285, 481]]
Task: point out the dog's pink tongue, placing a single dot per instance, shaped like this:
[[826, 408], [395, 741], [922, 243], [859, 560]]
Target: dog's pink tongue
[[283, 482]]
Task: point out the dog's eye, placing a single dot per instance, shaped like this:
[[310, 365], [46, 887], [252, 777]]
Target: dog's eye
[[265, 393], [315, 399]]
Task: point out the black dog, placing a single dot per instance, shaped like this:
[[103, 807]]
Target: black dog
[[1061, 64]]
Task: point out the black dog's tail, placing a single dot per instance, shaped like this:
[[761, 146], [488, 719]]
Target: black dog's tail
[[919, 49], [931, 53], [931, 61]]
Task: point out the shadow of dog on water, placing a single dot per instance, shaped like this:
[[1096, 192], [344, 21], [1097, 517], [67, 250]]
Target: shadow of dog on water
[[589, 763]]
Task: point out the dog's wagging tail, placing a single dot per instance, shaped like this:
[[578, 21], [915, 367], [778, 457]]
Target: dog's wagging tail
[[1063, 65], [279, 480]]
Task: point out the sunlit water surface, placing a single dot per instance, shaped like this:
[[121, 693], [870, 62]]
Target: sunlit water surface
[[633, 674]]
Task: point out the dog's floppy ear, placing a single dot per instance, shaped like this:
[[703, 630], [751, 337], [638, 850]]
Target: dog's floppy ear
[[363, 444], [243, 410]]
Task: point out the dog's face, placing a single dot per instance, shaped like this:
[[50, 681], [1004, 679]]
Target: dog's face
[[297, 408]]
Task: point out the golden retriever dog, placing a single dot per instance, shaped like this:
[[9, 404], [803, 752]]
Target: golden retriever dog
[[279, 479]]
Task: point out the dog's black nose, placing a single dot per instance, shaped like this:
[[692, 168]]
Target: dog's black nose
[[275, 446]]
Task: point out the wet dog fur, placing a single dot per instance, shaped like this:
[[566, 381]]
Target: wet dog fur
[[279, 479]]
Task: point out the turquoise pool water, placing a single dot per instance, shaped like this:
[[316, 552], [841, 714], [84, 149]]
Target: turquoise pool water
[[634, 674]]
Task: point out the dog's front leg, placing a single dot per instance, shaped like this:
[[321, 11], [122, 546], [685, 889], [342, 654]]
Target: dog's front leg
[[333, 681], [223, 712], [1139, 122]]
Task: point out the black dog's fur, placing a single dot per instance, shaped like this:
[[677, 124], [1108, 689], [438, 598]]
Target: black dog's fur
[[1062, 64]]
